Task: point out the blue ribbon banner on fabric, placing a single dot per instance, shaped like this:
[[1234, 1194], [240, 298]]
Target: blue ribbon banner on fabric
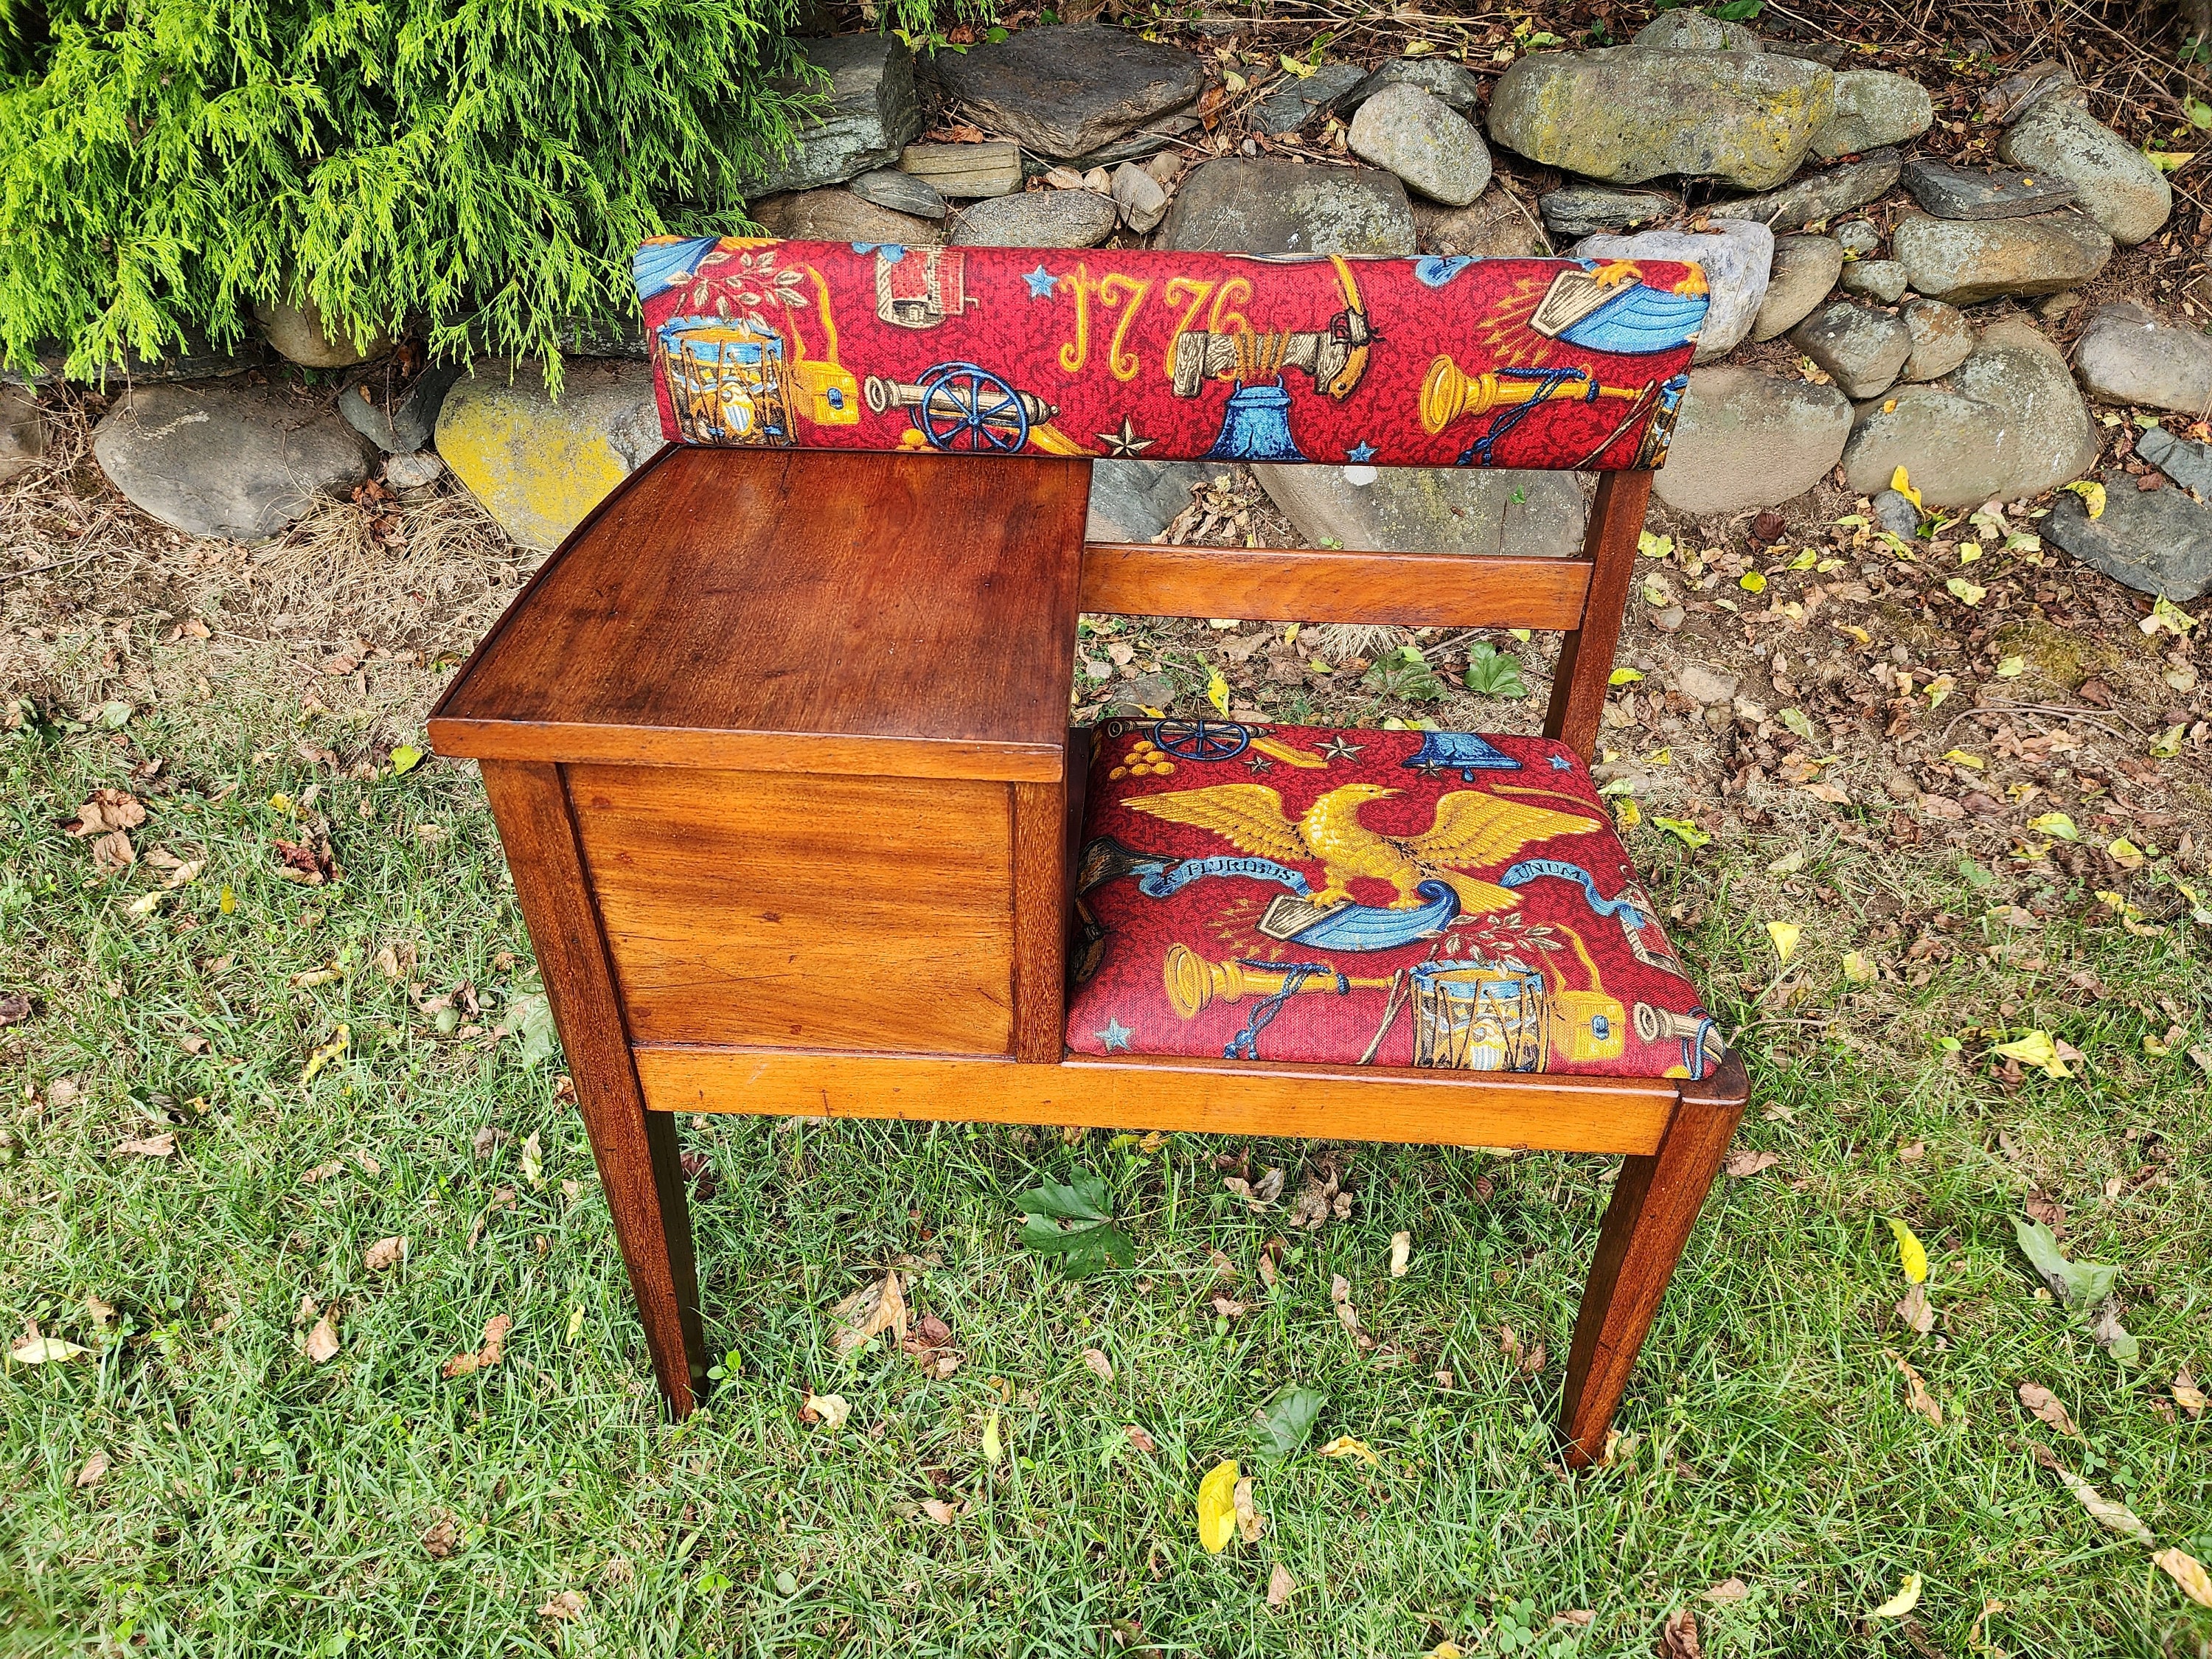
[[1157, 878], [1525, 871]]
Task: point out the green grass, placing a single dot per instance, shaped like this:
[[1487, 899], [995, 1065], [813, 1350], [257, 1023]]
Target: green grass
[[256, 1502]]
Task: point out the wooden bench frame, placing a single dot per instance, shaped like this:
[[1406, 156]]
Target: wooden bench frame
[[1673, 1133]]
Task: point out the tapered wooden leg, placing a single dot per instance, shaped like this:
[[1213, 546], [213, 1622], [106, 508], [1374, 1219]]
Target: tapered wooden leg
[[1653, 1204], [636, 1149]]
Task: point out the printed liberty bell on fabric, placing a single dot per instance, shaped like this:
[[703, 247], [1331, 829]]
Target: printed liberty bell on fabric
[[1128, 352], [1439, 899]]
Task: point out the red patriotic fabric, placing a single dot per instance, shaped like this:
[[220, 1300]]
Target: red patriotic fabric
[[1432, 362], [1361, 897]]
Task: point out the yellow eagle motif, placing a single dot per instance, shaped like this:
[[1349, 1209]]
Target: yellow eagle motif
[[1472, 830]]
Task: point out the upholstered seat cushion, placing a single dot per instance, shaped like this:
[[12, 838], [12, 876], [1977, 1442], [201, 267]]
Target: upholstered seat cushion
[[1367, 897]]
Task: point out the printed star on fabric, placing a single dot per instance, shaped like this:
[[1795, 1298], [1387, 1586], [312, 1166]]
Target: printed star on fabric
[[1561, 763], [1338, 749], [1115, 1037], [1360, 453], [1126, 443], [1040, 282], [1258, 764], [1430, 770]]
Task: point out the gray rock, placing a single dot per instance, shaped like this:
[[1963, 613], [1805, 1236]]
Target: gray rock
[[396, 414], [1878, 279], [1897, 514], [2155, 541], [1593, 210], [2020, 91], [1704, 683], [1280, 206], [197, 358], [963, 170], [1857, 238], [2113, 181], [2006, 423], [2129, 354], [2188, 464], [1142, 203], [1966, 260], [1630, 113], [1294, 102], [1456, 84], [1738, 257], [1950, 192], [22, 433], [1684, 30], [1493, 226], [1873, 108], [1745, 438], [1941, 340], [1134, 500], [1133, 697], [1818, 196], [603, 336], [901, 192], [1138, 143], [2057, 305], [1863, 347], [1066, 91], [873, 113], [1804, 271], [1425, 142], [539, 464], [839, 215], [296, 334], [415, 471], [225, 458], [1415, 509], [1036, 218]]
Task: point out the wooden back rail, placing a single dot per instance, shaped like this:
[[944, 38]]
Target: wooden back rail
[[690, 825]]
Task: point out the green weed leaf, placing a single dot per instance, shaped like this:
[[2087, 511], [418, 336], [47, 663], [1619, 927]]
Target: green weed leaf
[[1494, 673], [1289, 1421], [1075, 1222]]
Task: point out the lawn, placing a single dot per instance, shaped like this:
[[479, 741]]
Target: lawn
[[260, 1449]]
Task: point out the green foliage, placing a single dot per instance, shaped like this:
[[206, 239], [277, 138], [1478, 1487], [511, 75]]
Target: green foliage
[[1075, 1222], [480, 169], [1493, 673], [1289, 1421], [1405, 672]]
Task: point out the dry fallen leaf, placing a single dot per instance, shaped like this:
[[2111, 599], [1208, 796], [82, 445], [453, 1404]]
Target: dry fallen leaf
[[2187, 1394], [1100, 1366], [1914, 1310], [565, 1606], [443, 1538], [2185, 1570], [1917, 1396], [1339, 1292], [867, 1313], [2045, 1404], [1250, 1524], [826, 1408], [2106, 1512], [1141, 1440], [1345, 1446], [1678, 1637], [1281, 1586], [1729, 1589], [323, 1341], [44, 1351], [493, 1351], [161, 1145], [96, 1465], [1745, 1162], [384, 1253], [939, 1510], [1401, 1254]]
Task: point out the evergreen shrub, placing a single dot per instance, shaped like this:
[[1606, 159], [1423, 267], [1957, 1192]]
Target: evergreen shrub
[[480, 169]]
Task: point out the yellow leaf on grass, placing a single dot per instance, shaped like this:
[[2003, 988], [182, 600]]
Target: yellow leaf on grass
[[1901, 482], [226, 901], [1216, 1507], [830, 1408], [2171, 161], [2125, 853], [1345, 1446], [2057, 825], [1785, 935], [2036, 1049], [44, 1351], [1908, 1593], [1858, 968], [2092, 494], [1751, 582], [1626, 813], [2186, 1571], [1911, 1255], [1654, 547], [2010, 668], [405, 759], [1623, 677], [329, 1051], [1296, 66], [994, 1449], [1217, 693], [1684, 831]]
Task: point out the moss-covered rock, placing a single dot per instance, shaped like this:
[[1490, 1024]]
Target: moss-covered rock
[[538, 464]]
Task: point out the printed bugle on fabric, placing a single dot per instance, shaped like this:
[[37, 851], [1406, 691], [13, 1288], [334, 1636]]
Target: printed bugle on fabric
[[1436, 899], [1434, 362]]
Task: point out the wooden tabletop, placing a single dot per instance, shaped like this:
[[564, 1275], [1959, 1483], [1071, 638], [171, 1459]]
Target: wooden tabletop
[[792, 610]]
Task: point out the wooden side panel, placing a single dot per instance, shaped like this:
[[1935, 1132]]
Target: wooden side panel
[[1040, 884], [1463, 1108], [1585, 665], [797, 911], [1413, 590], [635, 1150]]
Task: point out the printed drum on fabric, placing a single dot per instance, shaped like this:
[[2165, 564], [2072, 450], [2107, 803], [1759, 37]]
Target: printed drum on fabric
[[1437, 899], [1434, 362]]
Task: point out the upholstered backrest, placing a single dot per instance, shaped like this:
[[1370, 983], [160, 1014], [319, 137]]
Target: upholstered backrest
[[1435, 362]]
